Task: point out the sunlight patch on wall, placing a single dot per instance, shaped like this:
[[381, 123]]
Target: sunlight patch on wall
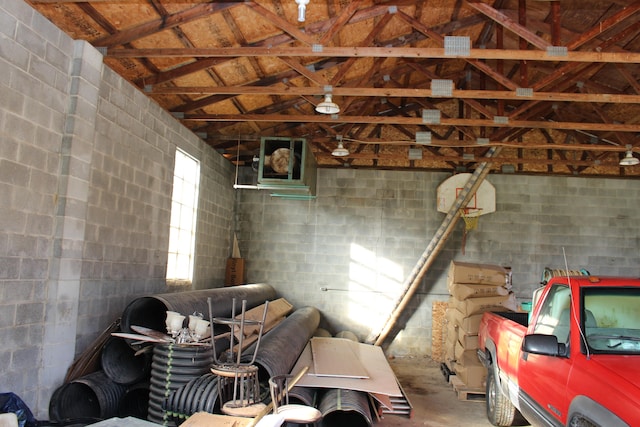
[[374, 285]]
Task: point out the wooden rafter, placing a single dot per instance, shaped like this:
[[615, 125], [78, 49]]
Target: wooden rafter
[[377, 52]]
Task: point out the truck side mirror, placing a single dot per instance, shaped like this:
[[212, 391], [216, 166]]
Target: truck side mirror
[[546, 345]]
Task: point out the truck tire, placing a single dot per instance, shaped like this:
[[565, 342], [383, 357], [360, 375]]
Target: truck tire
[[578, 421], [500, 411]]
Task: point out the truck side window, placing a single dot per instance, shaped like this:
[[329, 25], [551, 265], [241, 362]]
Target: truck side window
[[554, 317]]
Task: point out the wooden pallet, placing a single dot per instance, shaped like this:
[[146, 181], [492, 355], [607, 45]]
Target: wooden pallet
[[466, 393]]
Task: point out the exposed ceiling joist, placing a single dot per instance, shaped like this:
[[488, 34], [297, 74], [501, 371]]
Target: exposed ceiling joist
[[377, 52], [555, 84]]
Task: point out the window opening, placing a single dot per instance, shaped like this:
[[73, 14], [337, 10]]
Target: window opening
[[182, 229]]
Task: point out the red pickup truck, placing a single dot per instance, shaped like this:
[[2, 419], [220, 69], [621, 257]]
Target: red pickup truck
[[576, 362]]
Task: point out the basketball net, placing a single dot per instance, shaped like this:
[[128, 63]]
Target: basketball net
[[470, 219]]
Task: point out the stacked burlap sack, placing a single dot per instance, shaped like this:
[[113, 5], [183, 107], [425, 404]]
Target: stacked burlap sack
[[474, 289]]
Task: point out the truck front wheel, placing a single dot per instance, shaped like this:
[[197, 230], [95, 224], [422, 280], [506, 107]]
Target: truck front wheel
[[500, 411]]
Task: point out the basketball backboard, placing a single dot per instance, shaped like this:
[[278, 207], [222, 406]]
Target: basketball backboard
[[481, 203]]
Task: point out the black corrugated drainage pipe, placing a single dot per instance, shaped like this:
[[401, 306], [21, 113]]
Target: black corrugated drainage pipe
[[120, 363], [172, 367], [92, 396], [198, 395], [150, 311], [345, 408], [281, 347], [135, 402], [304, 395]]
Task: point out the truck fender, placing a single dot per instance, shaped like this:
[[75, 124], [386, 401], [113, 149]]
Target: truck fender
[[490, 361], [584, 408]]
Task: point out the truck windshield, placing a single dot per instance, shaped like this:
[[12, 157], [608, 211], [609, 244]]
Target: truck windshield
[[612, 320]]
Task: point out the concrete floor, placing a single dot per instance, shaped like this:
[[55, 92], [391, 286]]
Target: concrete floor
[[434, 401]]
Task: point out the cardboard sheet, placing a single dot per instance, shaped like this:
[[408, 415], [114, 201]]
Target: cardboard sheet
[[204, 419], [336, 357], [381, 379]]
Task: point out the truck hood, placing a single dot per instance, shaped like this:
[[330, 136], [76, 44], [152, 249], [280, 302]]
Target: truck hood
[[625, 367]]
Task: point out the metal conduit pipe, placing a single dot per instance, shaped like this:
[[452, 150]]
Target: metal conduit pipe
[[348, 408], [281, 347], [150, 311]]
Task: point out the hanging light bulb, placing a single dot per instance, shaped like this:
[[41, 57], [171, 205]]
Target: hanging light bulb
[[629, 160], [327, 106], [302, 6], [340, 151]]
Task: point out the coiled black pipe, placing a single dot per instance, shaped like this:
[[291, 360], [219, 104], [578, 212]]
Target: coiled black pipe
[[172, 367], [281, 347], [150, 311], [348, 408]]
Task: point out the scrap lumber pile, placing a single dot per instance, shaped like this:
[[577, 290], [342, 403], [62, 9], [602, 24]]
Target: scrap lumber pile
[[474, 289]]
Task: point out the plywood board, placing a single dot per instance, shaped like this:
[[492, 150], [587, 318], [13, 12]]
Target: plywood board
[[204, 419], [276, 310], [336, 357], [381, 379]]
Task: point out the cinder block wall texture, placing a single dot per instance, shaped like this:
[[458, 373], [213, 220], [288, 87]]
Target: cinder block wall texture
[[86, 171], [349, 251], [86, 166]]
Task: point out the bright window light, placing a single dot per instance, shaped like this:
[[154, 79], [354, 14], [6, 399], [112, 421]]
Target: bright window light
[[182, 230]]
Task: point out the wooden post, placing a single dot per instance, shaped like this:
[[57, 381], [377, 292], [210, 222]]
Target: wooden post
[[428, 256]]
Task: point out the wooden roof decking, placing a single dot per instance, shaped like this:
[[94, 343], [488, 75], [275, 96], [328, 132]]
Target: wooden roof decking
[[556, 84]]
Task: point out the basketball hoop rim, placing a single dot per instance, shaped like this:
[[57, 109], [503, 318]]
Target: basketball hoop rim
[[470, 212]]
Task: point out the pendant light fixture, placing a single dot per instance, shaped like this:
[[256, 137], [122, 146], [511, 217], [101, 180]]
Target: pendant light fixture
[[629, 160], [340, 151], [327, 106]]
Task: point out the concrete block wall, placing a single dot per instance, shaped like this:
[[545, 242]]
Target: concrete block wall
[[34, 85], [86, 167], [349, 251]]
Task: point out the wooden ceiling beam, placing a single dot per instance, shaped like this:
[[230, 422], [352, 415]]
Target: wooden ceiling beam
[[388, 92], [278, 40], [149, 28], [339, 23], [344, 68], [503, 20], [529, 144], [611, 127], [419, 26], [457, 158], [605, 25], [280, 23], [303, 71], [376, 52], [622, 69], [267, 81]]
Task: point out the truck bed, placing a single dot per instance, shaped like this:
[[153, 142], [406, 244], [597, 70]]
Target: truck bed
[[520, 318]]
